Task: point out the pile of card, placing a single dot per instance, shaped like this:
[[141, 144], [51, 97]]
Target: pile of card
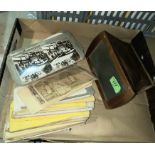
[[51, 94], [51, 104]]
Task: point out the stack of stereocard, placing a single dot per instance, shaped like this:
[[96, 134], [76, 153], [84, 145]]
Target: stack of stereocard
[[51, 94]]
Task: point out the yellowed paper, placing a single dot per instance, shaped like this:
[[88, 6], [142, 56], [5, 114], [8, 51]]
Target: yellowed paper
[[54, 88], [17, 124]]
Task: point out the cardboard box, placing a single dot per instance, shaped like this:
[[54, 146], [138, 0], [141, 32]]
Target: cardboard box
[[128, 123]]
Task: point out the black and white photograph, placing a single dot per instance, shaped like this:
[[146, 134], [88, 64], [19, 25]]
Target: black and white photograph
[[39, 61]]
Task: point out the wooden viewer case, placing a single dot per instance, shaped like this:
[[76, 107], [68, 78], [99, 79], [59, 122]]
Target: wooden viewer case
[[123, 69]]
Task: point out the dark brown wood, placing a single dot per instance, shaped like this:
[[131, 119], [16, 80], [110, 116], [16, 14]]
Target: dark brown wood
[[133, 73], [141, 49]]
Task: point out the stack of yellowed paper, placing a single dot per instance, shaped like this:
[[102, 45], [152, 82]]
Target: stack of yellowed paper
[[51, 104]]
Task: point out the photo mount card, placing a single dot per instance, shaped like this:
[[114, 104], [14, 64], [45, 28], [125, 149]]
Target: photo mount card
[[54, 88], [48, 56], [83, 95], [74, 107], [86, 92]]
